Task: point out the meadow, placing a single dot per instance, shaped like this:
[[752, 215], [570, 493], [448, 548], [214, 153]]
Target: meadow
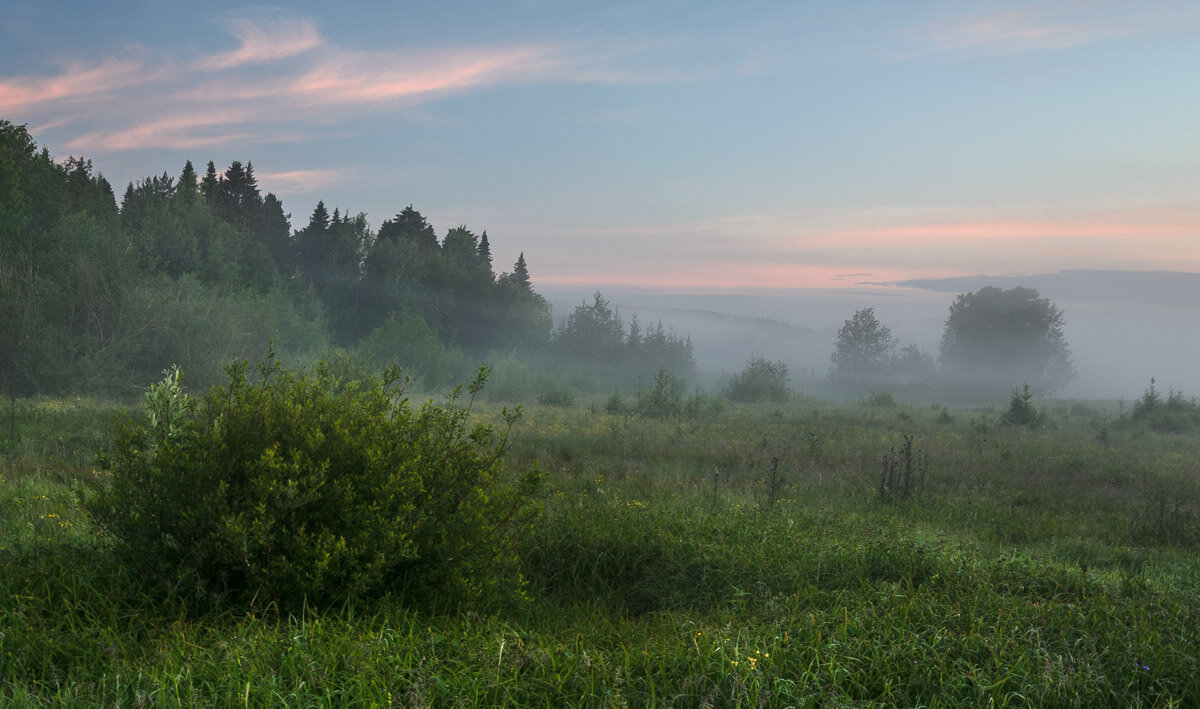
[[801, 554]]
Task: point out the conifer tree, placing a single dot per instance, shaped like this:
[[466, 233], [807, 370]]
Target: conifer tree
[[520, 274], [313, 244], [210, 186], [410, 225], [485, 249], [187, 186]]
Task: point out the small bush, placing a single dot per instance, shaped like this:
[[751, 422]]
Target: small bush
[[615, 404], [1174, 414], [309, 487], [881, 400], [664, 399], [558, 396], [701, 405], [1022, 412]]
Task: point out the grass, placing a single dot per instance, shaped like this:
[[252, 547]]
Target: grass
[[1047, 567]]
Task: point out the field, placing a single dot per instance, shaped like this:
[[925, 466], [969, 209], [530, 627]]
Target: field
[[789, 555]]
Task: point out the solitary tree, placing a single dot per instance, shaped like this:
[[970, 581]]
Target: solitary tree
[[862, 354], [997, 339]]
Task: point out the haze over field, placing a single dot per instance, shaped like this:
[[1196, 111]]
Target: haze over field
[[1123, 326], [787, 162]]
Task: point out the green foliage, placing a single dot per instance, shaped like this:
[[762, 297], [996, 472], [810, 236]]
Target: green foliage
[[190, 272], [1022, 412], [311, 488], [592, 331], [1174, 414], [881, 400], [184, 322], [595, 336], [1039, 570], [662, 399], [760, 381], [559, 396], [408, 341]]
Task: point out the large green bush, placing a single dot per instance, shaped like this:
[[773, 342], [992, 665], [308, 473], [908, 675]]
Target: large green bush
[[303, 486]]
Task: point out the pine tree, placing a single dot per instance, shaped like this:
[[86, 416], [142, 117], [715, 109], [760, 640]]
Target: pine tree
[[313, 244], [210, 186], [520, 274], [187, 187], [410, 225], [485, 249], [275, 230]]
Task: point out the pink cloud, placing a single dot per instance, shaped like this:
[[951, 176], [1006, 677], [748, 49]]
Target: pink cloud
[[1046, 26], [134, 102], [732, 277], [934, 234], [368, 77], [265, 42], [813, 251], [181, 130], [300, 181], [76, 81]]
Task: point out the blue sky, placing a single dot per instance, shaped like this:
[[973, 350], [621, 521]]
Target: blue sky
[[689, 146]]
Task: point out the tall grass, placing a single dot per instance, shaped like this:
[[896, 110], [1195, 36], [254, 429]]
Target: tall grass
[[1047, 567]]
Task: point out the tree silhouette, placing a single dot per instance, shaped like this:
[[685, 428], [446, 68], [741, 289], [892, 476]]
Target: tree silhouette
[[862, 354], [996, 339]]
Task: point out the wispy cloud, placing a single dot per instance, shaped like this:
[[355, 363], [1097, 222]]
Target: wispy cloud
[[283, 74], [281, 36], [204, 128], [368, 77], [806, 250], [980, 231], [293, 182], [1048, 26], [74, 83]]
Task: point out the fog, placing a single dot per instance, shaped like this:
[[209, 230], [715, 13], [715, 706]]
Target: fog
[[1124, 327]]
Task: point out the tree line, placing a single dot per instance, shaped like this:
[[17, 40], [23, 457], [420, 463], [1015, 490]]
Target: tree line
[[191, 270]]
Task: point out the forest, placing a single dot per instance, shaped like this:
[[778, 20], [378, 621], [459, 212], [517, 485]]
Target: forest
[[255, 463], [193, 270]]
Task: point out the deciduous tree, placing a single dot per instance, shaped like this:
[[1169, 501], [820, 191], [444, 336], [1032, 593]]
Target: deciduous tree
[[996, 339], [862, 354]]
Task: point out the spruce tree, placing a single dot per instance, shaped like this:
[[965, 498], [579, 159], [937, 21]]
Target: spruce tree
[[210, 186], [485, 249], [520, 274], [187, 185], [410, 225]]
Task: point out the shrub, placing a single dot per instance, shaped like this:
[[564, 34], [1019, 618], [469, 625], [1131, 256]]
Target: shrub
[[310, 487], [881, 400], [1022, 412], [1175, 414], [664, 399], [760, 381], [411, 343], [615, 404], [557, 396]]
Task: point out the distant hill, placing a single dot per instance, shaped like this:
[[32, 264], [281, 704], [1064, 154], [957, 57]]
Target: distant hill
[[1158, 288]]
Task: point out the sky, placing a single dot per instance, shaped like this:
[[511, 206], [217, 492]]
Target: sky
[[680, 146]]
